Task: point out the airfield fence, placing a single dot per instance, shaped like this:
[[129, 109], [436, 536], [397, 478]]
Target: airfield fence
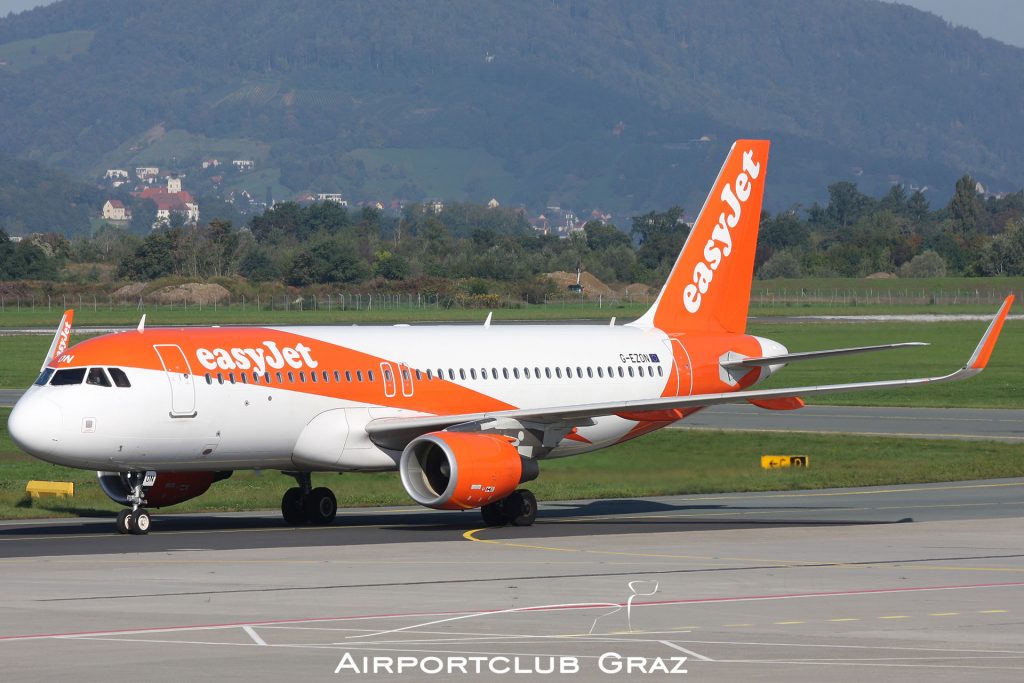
[[761, 298]]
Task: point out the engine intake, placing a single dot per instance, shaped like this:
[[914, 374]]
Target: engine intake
[[462, 470], [170, 488]]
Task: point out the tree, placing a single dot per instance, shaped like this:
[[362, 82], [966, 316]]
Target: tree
[[965, 208], [926, 264], [157, 256], [661, 237], [782, 264]]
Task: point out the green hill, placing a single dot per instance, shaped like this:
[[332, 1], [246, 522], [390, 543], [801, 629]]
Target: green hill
[[622, 105]]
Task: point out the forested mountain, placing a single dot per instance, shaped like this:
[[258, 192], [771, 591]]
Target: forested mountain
[[580, 103], [34, 198]]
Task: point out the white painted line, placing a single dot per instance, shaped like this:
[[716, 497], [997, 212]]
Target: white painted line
[[255, 636], [682, 649]]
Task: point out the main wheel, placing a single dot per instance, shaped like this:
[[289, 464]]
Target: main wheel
[[321, 506], [493, 514], [521, 508], [124, 521], [140, 522], [292, 508]]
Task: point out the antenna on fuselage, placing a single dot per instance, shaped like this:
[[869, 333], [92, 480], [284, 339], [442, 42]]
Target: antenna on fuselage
[[612, 323], [142, 324], [487, 323]]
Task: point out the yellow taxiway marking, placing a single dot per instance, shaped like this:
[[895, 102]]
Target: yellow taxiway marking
[[895, 616], [993, 611], [846, 619], [943, 614], [786, 623]]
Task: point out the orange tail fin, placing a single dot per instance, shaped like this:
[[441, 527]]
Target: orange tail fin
[[708, 289]]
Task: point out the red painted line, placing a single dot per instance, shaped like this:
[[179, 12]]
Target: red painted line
[[651, 603]]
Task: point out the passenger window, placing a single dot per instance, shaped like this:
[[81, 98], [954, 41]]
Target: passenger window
[[579, 372], [348, 375], [220, 378], [600, 372], [419, 375], [621, 373], [231, 377], [244, 377], [630, 370], [590, 372], [369, 375], [558, 372], [526, 373], [547, 372], [611, 371], [266, 378], [97, 378], [504, 373], [312, 376], [451, 374], [483, 373], [472, 373], [44, 377], [68, 377], [536, 373], [291, 377], [494, 373], [515, 372], [359, 375], [302, 377], [209, 378], [387, 375], [568, 373], [280, 378], [255, 377], [337, 376], [430, 374], [327, 376]]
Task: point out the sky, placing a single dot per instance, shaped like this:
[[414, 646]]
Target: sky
[[999, 19]]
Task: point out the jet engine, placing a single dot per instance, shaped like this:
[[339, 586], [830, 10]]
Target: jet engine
[[170, 488], [463, 470]]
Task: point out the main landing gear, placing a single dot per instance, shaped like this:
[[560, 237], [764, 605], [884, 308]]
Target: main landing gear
[[304, 504], [519, 508], [134, 520]]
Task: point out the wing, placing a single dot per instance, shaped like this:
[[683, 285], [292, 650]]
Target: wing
[[813, 355], [396, 432]]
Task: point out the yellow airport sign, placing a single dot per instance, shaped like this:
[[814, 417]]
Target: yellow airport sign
[[50, 488], [774, 462]]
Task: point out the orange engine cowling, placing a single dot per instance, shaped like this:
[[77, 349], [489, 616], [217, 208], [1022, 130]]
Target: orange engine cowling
[[170, 488], [462, 470]]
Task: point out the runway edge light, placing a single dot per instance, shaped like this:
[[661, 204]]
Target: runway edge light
[[774, 462]]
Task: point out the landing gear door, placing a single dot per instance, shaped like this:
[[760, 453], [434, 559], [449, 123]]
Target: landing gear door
[[179, 375]]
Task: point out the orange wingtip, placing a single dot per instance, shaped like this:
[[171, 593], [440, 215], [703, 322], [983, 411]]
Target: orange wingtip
[[979, 359], [785, 403]]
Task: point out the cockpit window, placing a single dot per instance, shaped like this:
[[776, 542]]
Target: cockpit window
[[97, 378], [120, 379], [68, 376], [44, 377]]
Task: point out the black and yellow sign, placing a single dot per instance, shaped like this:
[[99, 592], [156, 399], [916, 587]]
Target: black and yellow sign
[[774, 462]]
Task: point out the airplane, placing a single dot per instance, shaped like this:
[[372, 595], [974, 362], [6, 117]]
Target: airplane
[[465, 414]]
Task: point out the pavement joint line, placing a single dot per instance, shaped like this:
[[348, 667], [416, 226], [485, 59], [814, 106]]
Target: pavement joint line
[[696, 655]]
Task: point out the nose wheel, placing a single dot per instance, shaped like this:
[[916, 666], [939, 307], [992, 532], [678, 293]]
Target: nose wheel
[[134, 520], [519, 508], [304, 504]]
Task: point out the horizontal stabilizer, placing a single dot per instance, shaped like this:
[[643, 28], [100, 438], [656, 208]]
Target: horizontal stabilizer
[[812, 355]]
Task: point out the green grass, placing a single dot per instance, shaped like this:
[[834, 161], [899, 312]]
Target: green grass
[[25, 54], [664, 463], [114, 314]]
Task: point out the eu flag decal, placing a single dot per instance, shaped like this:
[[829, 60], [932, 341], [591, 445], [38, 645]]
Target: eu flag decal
[[654, 358]]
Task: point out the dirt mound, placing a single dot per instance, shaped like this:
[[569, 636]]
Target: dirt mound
[[637, 291], [592, 287], [192, 293], [129, 291], [881, 276]]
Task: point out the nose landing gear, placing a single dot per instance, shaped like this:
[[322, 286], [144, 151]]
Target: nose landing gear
[[135, 520], [304, 504]]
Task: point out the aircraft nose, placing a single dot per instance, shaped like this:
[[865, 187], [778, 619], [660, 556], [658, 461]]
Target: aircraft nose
[[34, 425]]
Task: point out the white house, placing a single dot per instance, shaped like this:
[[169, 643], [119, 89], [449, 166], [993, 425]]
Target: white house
[[243, 164], [331, 197], [147, 172], [115, 210], [115, 174], [173, 185], [493, 204]]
